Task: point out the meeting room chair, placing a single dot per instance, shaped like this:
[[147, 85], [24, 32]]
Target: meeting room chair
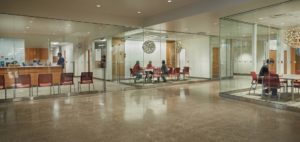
[[23, 81], [271, 81], [66, 79], [254, 82], [86, 78], [2, 85], [44, 80], [186, 71]]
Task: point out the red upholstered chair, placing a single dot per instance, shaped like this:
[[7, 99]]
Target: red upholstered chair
[[171, 72], [44, 80], [186, 71], [271, 81], [177, 72], [23, 81], [86, 78], [253, 82], [157, 73], [2, 84], [66, 79]]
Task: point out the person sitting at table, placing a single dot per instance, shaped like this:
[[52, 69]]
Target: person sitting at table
[[149, 66], [164, 71], [137, 71], [265, 71]]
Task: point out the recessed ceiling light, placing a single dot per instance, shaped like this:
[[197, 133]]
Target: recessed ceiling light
[[27, 27], [139, 12], [169, 1], [98, 5], [261, 18]]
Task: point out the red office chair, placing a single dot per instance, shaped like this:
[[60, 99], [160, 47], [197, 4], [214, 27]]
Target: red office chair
[[271, 81], [177, 72], [186, 71], [171, 72], [157, 73], [44, 80], [23, 81], [86, 78], [253, 82], [66, 79], [2, 84]]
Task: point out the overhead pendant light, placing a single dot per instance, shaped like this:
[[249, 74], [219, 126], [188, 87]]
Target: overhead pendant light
[[169, 1], [292, 37]]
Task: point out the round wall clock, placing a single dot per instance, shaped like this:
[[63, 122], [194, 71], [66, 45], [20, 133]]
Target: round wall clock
[[149, 47]]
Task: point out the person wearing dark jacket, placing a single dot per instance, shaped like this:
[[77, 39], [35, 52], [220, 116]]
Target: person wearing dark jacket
[[265, 71], [164, 71]]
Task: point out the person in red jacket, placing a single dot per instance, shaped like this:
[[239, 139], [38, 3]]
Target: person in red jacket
[[137, 71]]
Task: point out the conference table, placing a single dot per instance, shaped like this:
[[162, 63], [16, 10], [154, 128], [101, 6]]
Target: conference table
[[292, 78]]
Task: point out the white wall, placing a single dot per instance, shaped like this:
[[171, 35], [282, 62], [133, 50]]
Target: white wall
[[198, 56], [134, 52]]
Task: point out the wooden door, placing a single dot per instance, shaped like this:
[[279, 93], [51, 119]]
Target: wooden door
[[215, 63], [293, 61], [118, 59], [171, 60], [272, 67], [285, 62]]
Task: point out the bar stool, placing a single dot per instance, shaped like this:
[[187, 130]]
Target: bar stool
[[66, 79], [2, 84], [44, 80], [86, 78], [23, 81]]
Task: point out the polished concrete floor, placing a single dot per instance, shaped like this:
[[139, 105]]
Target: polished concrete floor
[[182, 113]]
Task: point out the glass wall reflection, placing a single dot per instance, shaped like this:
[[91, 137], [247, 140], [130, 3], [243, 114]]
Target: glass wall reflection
[[249, 40]]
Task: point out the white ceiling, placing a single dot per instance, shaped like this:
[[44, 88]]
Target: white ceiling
[[200, 17], [280, 16], [123, 12], [208, 22]]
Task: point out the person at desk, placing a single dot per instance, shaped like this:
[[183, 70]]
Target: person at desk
[[264, 71], [61, 60], [164, 71], [137, 71]]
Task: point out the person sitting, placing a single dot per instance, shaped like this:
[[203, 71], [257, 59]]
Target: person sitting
[[164, 71], [149, 74], [265, 71], [137, 71]]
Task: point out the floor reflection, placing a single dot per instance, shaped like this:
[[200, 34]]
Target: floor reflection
[[191, 112]]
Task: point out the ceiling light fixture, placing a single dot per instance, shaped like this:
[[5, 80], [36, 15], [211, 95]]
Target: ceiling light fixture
[[169, 1], [98, 5], [292, 37], [139, 12], [261, 18], [27, 27]]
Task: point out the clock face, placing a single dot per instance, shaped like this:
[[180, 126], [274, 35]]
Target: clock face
[[149, 47]]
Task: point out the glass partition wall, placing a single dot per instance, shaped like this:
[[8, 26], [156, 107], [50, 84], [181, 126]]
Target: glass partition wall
[[185, 55], [248, 39], [32, 50], [40, 56]]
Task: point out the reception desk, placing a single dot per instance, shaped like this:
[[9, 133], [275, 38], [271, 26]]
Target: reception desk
[[11, 72]]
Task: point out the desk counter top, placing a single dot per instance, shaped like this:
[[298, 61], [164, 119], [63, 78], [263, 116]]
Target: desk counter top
[[10, 73]]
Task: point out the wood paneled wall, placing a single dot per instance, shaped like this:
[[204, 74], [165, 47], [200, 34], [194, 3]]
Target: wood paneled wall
[[36, 53]]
